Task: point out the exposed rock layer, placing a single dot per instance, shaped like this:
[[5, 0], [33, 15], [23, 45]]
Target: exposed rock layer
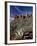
[[21, 28]]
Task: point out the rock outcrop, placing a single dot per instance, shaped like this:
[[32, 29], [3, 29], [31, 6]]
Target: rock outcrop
[[21, 27]]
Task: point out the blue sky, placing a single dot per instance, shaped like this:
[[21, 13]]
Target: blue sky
[[14, 10]]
